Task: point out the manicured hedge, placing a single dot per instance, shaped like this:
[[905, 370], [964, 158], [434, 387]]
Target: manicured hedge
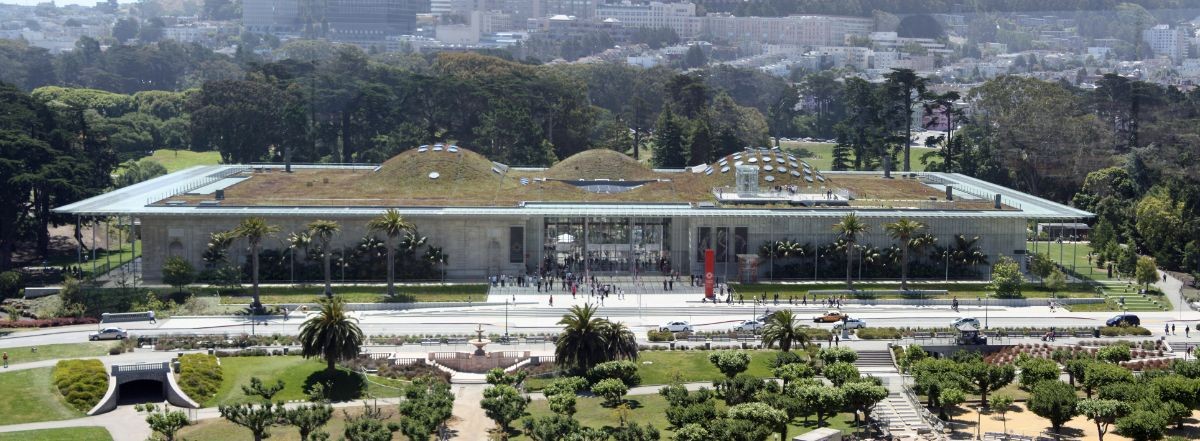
[[878, 333], [199, 376], [81, 382]]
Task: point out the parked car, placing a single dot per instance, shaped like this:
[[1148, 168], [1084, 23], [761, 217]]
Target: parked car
[[965, 321], [851, 323], [109, 334], [830, 317], [749, 325], [676, 327], [1124, 320]]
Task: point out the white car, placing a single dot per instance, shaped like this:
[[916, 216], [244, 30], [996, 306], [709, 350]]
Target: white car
[[676, 327], [749, 325], [852, 324], [109, 334], [965, 321]]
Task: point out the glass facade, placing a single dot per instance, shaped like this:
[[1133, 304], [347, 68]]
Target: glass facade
[[606, 244]]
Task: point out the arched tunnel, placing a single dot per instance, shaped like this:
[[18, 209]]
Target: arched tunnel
[[141, 391]]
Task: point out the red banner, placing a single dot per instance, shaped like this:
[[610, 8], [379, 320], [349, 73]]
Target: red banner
[[709, 279]]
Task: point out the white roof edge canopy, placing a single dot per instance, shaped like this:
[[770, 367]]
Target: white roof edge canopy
[[136, 200]]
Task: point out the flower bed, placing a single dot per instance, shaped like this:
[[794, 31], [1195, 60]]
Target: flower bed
[[1140, 357], [47, 323]]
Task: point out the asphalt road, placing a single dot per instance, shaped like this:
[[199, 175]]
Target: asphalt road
[[529, 318]]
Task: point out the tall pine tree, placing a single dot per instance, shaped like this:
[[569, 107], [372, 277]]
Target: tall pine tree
[[700, 146], [668, 140]]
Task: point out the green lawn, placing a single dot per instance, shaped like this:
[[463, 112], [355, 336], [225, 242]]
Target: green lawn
[[365, 294], [661, 367], [64, 434], [175, 160], [651, 409], [960, 290], [30, 397], [822, 157], [1113, 289], [218, 429], [105, 261], [90, 349], [295, 372]]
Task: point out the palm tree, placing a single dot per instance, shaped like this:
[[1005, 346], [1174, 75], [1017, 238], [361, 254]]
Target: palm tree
[[254, 230], [620, 342], [849, 229], [783, 328], [904, 230], [331, 334], [581, 344], [324, 230], [218, 247], [391, 223], [298, 240], [436, 256]]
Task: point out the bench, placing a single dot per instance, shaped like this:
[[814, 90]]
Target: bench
[[535, 339], [697, 338], [116, 317], [431, 343], [33, 293]]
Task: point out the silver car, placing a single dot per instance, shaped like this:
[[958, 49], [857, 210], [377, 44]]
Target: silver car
[[676, 327], [109, 334]]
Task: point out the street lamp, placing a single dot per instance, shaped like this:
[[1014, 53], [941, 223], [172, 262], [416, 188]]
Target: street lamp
[[978, 420], [946, 257]]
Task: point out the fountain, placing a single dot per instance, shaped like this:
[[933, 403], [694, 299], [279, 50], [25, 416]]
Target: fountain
[[479, 342]]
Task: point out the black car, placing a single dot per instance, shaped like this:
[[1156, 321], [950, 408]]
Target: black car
[[1124, 320]]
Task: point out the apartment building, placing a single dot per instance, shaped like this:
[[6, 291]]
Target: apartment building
[[806, 30], [680, 17]]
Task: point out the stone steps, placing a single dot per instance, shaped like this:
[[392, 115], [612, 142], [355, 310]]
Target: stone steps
[[873, 359]]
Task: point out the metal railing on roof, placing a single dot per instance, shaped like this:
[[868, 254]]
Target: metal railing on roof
[[195, 183]]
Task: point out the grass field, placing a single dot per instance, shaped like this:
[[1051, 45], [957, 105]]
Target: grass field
[[651, 409], [822, 157], [30, 397], [295, 372], [90, 349], [175, 160], [64, 434], [222, 430], [364, 294], [105, 261], [1074, 256], [662, 367], [961, 290]]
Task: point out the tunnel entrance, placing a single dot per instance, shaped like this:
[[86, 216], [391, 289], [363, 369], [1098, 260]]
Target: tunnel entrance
[[141, 391]]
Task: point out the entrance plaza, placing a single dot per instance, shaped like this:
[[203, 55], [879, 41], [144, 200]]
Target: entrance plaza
[[598, 213]]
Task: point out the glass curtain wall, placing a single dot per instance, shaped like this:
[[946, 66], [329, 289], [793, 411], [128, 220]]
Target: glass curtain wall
[[606, 245]]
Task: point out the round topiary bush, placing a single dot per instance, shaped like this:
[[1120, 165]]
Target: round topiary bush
[[82, 383]]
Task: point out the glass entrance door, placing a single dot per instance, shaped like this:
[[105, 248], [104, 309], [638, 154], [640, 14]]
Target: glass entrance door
[[612, 245]]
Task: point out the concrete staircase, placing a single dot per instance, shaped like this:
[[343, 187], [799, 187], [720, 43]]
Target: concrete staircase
[[874, 360], [902, 416]]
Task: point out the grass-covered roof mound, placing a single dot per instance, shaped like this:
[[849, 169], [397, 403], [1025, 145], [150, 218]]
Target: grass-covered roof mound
[[410, 170], [600, 164]]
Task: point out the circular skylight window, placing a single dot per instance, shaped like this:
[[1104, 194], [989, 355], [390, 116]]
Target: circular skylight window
[[434, 175]]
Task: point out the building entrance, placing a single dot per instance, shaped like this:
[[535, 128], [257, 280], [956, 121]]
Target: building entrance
[[607, 245]]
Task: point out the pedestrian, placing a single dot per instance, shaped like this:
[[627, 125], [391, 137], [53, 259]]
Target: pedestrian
[[837, 340], [1187, 331], [551, 299], [804, 299], [1173, 329], [1167, 329], [776, 298], [741, 299], [152, 321], [6, 360]]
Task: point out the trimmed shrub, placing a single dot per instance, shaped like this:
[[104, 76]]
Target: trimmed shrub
[[82, 383], [565, 385], [199, 376], [660, 335], [611, 389], [11, 283], [1116, 331], [623, 370], [878, 333]]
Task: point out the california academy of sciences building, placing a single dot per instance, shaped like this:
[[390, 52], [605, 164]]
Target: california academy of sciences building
[[598, 212]]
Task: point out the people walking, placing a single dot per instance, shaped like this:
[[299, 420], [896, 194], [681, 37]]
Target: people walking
[[6, 360]]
